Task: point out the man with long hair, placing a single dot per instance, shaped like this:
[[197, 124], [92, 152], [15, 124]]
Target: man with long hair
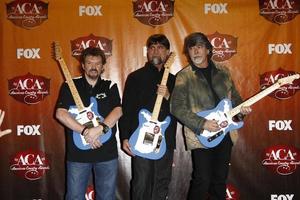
[[201, 86]]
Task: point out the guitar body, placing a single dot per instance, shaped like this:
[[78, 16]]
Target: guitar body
[[148, 140], [88, 117], [212, 139]]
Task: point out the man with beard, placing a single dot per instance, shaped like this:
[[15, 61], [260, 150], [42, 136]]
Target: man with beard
[[200, 86], [150, 178], [101, 158]]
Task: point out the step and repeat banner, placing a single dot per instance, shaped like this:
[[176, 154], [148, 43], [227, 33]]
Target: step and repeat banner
[[258, 40]]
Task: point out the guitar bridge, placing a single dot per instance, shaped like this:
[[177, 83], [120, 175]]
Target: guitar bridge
[[149, 139], [215, 136], [156, 150]]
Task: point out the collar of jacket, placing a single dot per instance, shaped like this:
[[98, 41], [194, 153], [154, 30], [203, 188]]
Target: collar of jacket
[[152, 67]]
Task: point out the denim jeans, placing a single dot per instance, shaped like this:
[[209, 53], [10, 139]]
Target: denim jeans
[[78, 175]]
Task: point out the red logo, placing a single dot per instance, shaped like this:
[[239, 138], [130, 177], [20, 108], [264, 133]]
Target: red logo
[[90, 193], [27, 13], [232, 193], [82, 43], [30, 165], [279, 11], [29, 89], [284, 92], [153, 12], [224, 46], [281, 159]]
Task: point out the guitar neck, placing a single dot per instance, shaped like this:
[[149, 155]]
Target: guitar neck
[[254, 99], [159, 97], [71, 84]]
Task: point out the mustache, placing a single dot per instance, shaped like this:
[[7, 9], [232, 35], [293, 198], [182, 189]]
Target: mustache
[[91, 70]]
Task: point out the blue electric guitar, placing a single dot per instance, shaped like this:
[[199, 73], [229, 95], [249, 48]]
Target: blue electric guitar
[[148, 140], [87, 116], [224, 113]]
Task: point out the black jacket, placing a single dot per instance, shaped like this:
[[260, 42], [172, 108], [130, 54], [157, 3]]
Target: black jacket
[[140, 92]]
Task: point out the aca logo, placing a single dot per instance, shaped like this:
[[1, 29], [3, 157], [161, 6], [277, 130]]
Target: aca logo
[[224, 46], [81, 43], [29, 164], [153, 12], [285, 91], [232, 193], [279, 11], [281, 159], [27, 13], [90, 193], [29, 89]]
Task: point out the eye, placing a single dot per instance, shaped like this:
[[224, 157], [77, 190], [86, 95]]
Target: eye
[[151, 48]]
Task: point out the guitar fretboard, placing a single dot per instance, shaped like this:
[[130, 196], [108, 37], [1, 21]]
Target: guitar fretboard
[[262, 94], [159, 97], [71, 84], [164, 80]]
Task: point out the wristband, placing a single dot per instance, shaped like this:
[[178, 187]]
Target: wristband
[[83, 130], [105, 127]]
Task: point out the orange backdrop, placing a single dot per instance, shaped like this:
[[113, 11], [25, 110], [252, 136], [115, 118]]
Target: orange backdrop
[[257, 40]]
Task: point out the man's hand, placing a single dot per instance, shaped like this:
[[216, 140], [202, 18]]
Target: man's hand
[[245, 110], [211, 125], [163, 91], [126, 147], [4, 132], [91, 136]]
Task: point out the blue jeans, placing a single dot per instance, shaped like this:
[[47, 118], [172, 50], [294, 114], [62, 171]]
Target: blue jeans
[[78, 175]]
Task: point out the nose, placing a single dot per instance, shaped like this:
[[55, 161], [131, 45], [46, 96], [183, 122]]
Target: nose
[[155, 51], [196, 50]]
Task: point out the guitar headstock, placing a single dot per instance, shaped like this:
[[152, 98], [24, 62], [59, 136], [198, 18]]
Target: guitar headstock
[[170, 60], [57, 51], [288, 79]]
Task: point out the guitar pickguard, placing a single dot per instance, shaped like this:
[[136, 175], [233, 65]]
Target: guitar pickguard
[[148, 140], [211, 139], [88, 117]]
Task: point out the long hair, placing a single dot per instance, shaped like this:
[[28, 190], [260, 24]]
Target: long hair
[[194, 39]]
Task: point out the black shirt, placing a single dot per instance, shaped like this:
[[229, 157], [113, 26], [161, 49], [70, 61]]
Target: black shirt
[[107, 96], [140, 92], [207, 73]]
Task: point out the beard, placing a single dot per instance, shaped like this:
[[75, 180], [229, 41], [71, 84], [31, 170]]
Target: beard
[[93, 74], [198, 60], [156, 60]]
